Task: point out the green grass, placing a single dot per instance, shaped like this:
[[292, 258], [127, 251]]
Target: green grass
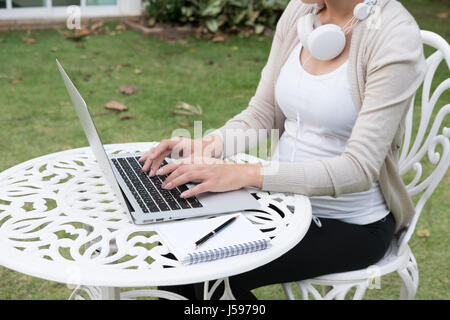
[[36, 118]]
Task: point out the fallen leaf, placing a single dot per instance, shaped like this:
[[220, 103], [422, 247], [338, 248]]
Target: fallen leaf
[[423, 233], [106, 69], [184, 125], [28, 40], [15, 81], [219, 37], [78, 34], [87, 76], [138, 71], [210, 62], [235, 48], [97, 26], [121, 27], [185, 109], [128, 116], [128, 89], [123, 65], [116, 106], [443, 15]]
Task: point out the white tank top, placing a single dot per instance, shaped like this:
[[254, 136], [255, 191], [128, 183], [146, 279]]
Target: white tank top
[[320, 115]]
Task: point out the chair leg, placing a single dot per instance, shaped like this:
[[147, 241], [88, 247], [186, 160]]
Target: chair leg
[[331, 291], [110, 293], [288, 291], [410, 279]]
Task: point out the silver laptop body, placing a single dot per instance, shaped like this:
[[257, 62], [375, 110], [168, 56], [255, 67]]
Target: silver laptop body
[[210, 203]]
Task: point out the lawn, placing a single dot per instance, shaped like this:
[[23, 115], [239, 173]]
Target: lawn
[[36, 117]]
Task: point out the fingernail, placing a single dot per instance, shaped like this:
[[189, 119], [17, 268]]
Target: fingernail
[[168, 186], [183, 195], [152, 173], [159, 172]]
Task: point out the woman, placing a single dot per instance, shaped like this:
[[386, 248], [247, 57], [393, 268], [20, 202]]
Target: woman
[[341, 122]]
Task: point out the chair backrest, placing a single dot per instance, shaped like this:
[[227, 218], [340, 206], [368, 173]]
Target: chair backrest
[[429, 135]]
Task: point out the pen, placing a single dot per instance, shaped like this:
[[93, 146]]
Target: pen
[[212, 233]]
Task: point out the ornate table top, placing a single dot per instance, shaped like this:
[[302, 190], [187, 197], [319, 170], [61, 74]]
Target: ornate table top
[[59, 220]]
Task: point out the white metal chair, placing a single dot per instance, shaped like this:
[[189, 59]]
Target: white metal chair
[[399, 256]]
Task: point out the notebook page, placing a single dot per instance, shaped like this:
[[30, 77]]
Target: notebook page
[[180, 236]]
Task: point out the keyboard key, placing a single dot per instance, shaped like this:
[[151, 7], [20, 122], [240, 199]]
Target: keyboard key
[[147, 191], [193, 201]]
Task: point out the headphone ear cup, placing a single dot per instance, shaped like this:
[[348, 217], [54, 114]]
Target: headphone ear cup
[[362, 11], [326, 42], [305, 26]]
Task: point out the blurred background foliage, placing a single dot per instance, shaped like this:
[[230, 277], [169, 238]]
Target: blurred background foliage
[[219, 14]]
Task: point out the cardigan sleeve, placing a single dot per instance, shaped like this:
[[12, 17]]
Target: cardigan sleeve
[[395, 69]]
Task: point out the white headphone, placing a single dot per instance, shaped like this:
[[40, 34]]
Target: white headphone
[[326, 42]]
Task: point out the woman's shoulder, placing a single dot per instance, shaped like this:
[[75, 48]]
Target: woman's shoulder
[[395, 13], [392, 27], [391, 16]]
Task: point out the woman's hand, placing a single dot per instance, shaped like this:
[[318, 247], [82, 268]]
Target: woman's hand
[[211, 174], [175, 148]]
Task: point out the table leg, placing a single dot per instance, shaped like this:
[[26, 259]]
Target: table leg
[[227, 294]]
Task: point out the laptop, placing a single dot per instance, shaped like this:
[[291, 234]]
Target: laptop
[[142, 197]]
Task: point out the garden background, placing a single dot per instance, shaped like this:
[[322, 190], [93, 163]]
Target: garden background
[[220, 76]]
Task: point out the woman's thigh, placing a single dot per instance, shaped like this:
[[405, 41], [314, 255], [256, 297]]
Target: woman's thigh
[[334, 247]]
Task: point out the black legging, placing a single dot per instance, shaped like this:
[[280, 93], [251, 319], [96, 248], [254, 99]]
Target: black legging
[[334, 247]]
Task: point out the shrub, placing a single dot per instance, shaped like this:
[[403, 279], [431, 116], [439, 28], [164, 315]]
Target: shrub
[[220, 14], [165, 10]]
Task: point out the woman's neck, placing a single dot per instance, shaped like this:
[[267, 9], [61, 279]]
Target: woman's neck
[[339, 11]]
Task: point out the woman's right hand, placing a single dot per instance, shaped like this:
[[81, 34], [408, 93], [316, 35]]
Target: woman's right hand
[[209, 146]]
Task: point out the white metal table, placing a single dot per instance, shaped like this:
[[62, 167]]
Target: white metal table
[[60, 221]]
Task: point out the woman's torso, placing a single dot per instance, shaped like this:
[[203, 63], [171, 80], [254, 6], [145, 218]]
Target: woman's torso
[[320, 115]]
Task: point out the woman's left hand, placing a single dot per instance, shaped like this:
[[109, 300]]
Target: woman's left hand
[[211, 174]]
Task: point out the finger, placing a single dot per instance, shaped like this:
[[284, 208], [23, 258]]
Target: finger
[[147, 159], [145, 156], [156, 163], [169, 168], [200, 188], [160, 148], [147, 164], [180, 171]]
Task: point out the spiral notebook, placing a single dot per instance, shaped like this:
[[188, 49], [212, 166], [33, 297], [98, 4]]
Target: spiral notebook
[[240, 237]]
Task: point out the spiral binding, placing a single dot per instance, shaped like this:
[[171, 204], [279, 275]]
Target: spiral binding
[[220, 253]]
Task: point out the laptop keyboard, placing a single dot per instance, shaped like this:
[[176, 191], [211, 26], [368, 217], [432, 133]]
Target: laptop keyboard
[[147, 191]]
